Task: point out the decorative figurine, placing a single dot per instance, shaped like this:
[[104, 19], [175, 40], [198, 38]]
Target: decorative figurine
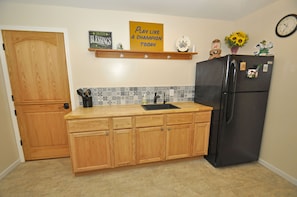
[[120, 46], [215, 51], [263, 48]]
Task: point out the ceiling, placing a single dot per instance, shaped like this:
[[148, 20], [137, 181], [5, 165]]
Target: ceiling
[[211, 9]]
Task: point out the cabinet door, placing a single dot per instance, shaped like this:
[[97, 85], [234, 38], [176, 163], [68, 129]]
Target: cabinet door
[[179, 141], [201, 136], [90, 150], [123, 146], [150, 144]]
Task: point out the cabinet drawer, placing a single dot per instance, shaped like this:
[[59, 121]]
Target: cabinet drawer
[[179, 118], [87, 124], [122, 123], [148, 121], [203, 116]]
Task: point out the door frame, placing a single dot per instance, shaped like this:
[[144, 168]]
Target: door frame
[[7, 80]]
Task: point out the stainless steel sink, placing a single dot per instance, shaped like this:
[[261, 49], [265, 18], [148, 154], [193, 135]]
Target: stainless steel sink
[[159, 106]]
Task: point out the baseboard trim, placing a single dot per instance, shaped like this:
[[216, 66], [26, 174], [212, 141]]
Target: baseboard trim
[[10, 168], [278, 171]]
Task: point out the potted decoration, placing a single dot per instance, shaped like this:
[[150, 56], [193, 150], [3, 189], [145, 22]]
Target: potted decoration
[[263, 48], [236, 40]]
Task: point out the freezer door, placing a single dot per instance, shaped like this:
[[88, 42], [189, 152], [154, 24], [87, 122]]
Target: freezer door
[[210, 76], [240, 138]]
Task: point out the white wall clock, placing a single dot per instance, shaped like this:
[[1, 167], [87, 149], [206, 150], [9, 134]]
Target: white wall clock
[[286, 25]]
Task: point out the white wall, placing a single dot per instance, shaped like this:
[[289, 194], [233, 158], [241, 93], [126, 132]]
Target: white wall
[[279, 146], [8, 148], [96, 72]]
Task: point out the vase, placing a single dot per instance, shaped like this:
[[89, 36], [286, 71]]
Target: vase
[[234, 49]]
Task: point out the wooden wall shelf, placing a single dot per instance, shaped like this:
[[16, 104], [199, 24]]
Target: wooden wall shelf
[[109, 53]]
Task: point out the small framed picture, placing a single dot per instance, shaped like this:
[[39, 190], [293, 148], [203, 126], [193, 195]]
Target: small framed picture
[[100, 39]]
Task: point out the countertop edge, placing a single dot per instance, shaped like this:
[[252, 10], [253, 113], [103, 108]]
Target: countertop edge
[[131, 110]]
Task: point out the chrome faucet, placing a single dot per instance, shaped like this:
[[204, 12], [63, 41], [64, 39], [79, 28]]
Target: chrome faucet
[[156, 97]]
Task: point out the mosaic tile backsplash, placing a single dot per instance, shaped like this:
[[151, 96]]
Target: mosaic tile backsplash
[[134, 95]]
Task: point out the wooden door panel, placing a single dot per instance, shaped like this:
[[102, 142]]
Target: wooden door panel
[[179, 118], [37, 66], [123, 146], [150, 144], [41, 132], [179, 141], [90, 150], [39, 81], [42, 128], [201, 137]]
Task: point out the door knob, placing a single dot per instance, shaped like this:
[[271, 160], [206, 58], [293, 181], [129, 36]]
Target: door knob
[[66, 105]]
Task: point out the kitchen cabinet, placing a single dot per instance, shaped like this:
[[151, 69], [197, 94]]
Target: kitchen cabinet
[[115, 136], [201, 133], [177, 136], [178, 143], [123, 141], [164, 137], [150, 138], [89, 144], [109, 53]]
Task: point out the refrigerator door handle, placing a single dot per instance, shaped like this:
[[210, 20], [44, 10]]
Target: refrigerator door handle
[[234, 81]]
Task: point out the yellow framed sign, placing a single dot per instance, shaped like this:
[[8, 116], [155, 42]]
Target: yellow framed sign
[[146, 36]]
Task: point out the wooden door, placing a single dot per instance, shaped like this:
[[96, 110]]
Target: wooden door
[[179, 141], [90, 150], [123, 141], [39, 81], [150, 144], [201, 137], [123, 147], [201, 133]]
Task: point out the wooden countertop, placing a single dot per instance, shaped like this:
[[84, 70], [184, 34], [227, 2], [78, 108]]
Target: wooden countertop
[[130, 110]]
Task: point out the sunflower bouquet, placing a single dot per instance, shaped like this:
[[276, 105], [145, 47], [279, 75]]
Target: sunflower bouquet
[[238, 38]]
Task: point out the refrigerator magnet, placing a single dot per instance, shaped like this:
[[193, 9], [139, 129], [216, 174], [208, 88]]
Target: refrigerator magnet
[[242, 66], [252, 73], [265, 68]]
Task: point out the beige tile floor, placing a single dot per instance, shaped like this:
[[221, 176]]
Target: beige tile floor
[[186, 178]]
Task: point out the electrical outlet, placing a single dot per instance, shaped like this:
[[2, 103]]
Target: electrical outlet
[[171, 92]]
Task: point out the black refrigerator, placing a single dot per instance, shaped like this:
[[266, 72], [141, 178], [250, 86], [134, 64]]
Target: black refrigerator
[[237, 87]]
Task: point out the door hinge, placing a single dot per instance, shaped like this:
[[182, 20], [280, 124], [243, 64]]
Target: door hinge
[[3, 45], [15, 113], [21, 142], [12, 98]]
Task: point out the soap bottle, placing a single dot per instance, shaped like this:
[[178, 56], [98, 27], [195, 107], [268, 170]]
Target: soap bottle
[[144, 99]]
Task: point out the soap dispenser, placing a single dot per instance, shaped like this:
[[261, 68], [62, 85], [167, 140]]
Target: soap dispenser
[[144, 99]]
